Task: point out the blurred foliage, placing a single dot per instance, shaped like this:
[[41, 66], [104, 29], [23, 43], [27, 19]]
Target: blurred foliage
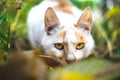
[[3, 56], [4, 30], [14, 14], [108, 28], [71, 75], [82, 4], [89, 69]]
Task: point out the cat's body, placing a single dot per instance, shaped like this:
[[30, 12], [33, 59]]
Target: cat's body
[[62, 33]]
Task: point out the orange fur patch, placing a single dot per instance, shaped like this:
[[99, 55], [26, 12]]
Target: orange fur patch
[[80, 37], [61, 35], [64, 5], [62, 27], [75, 25]]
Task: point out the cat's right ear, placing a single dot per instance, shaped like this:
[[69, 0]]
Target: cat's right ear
[[85, 20], [51, 21]]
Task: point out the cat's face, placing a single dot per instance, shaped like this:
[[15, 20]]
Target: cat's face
[[73, 42]]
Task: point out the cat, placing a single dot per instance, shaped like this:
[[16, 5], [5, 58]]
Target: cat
[[61, 29]]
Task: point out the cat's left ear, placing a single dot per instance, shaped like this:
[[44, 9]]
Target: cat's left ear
[[51, 21], [85, 20]]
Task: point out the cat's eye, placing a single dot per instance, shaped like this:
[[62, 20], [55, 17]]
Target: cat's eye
[[59, 46], [80, 46]]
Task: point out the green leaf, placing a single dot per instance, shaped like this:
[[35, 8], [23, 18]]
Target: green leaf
[[82, 4], [3, 18], [113, 11]]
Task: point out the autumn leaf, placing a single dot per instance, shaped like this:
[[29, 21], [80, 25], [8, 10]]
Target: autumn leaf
[[75, 76]]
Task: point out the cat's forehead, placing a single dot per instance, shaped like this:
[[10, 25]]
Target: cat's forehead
[[70, 35]]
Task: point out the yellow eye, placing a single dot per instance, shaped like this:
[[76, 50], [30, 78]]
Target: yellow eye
[[59, 46], [80, 46]]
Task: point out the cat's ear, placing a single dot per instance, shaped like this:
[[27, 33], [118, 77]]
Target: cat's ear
[[85, 20], [51, 21]]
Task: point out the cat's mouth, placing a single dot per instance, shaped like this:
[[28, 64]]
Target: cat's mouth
[[63, 59], [70, 61]]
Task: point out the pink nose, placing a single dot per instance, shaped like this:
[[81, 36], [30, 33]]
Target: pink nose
[[70, 58], [70, 61]]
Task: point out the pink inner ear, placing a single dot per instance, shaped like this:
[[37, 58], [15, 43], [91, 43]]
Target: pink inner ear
[[85, 25], [85, 20], [51, 21], [51, 26]]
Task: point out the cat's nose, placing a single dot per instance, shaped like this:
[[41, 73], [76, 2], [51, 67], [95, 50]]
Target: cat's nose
[[70, 61], [70, 58]]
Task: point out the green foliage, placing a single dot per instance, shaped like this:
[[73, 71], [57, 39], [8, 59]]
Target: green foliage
[[112, 18], [3, 56], [4, 32], [90, 69], [82, 4], [13, 17], [106, 33]]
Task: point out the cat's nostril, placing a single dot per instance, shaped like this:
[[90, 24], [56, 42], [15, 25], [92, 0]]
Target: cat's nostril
[[70, 58], [70, 61]]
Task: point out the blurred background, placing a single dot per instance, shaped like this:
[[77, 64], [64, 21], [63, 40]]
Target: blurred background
[[106, 25]]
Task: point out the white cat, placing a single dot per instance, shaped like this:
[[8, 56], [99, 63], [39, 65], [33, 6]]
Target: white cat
[[61, 29]]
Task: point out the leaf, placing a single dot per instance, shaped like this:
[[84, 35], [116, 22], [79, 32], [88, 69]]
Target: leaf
[[75, 76], [4, 31], [50, 60], [112, 12], [3, 18], [3, 56], [83, 3], [37, 51], [114, 35]]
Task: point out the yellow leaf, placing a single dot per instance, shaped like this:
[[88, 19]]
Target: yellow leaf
[[75, 76], [38, 51]]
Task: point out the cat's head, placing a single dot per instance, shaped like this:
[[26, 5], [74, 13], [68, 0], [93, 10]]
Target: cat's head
[[74, 42]]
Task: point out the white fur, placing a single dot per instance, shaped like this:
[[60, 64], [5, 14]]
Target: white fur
[[38, 36]]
